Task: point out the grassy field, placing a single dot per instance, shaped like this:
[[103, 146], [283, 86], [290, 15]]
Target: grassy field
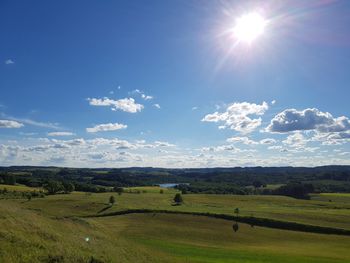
[[51, 229], [318, 211], [19, 188]]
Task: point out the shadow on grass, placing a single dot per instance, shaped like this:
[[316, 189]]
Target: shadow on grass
[[104, 209]]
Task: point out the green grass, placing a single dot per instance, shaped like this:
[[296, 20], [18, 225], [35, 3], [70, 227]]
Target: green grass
[[152, 189], [19, 188], [33, 237], [315, 212], [43, 229]]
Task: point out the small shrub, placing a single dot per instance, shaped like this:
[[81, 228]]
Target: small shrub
[[178, 199], [111, 200]]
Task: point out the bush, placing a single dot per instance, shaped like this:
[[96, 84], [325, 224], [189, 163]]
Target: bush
[[111, 200], [178, 199], [53, 187]]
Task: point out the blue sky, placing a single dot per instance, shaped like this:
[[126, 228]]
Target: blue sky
[[166, 83]]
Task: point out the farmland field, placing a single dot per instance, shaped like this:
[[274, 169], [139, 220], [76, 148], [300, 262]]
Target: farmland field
[[318, 211], [55, 229]]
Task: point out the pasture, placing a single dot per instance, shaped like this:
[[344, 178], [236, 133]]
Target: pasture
[[55, 229]]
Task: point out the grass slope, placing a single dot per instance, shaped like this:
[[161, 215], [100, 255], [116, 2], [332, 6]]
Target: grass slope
[[33, 237], [318, 212], [52, 229]]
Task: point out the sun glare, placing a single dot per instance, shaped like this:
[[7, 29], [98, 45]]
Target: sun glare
[[248, 27]]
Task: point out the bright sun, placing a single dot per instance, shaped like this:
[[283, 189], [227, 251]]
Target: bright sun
[[248, 27]]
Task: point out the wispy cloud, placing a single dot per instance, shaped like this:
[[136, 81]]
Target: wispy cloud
[[146, 97], [32, 122], [143, 95], [55, 134], [9, 62], [156, 105], [10, 124]]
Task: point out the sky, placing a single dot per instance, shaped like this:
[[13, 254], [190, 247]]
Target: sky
[[174, 83]]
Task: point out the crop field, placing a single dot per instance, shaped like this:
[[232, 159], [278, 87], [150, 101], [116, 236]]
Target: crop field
[[56, 229]]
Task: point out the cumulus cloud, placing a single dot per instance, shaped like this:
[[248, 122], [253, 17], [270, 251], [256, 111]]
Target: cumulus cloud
[[107, 127], [244, 140], [52, 134], [10, 124], [335, 138], [237, 116], [82, 152], [296, 140], [309, 119], [126, 104], [156, 105]]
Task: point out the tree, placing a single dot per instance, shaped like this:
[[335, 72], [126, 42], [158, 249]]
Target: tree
[[117, 189], [53, 187], [68, 187], [9, 179], [178, 199], [235, 227], [257, 184], [111, 200]]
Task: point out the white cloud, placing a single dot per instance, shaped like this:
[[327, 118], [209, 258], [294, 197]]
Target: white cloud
[[296, 140], [333, 138], [146, 97], [10, 124], [273, 102], [163, 144], [308, 119], [156, 105], [31, 122], [126, 104], [194, 108], [268, 141], [107, 127], [275, 147], [236, 116], [143, 95], [9, 62], [244, 140], [61, 134]]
